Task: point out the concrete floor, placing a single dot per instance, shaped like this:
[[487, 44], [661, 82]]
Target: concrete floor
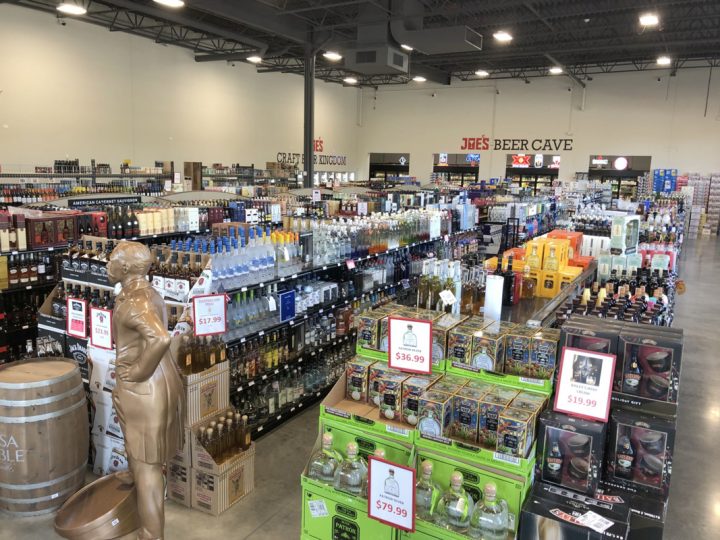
[[272, 511]]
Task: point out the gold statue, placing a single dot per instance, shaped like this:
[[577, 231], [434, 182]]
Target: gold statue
[[149, 397]]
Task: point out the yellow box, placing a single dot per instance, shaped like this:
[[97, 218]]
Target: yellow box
[[568, 275], [549, 284], [562, 248], [538, 243]]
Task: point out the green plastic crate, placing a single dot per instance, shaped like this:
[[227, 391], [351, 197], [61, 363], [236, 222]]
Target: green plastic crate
[[429, 531], [395, 451], [511, 486], [514, 381]]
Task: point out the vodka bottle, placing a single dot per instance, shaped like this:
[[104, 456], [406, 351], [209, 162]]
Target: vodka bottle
[[351, 477], [324, 464], [490, 518], [455, 506], [427, 493]]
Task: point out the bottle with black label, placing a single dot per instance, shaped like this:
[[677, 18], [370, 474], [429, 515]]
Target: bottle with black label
[[624, 458], [552, 471], [633, 373]]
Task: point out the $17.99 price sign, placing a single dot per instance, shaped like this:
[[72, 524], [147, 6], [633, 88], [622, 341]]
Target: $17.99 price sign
[[210, 314], [410, 345], [391, 493]]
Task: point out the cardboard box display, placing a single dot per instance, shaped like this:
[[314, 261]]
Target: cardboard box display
[[529, 401], [483, 386], [412, 388], [357, 373], [544, 351], [108, 454], [215, 493], [179, 483], [640, 453], [552, 512], [368, 325], [435, 409], [390, 394], [515, 432], [459, 345], [102, 372], [106, 421], [518, 347], [491, 407], [466, 410], [549, 284], [488, 345], [570, 451], [534, 253], [448, 384], [207, 392], [441, 330], [624, 234], [590, 334], [375, 373]]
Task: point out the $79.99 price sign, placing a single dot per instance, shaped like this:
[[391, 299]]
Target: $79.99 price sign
[[391, 493], [210, 314], [410, 345]]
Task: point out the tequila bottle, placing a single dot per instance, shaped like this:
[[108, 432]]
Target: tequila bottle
[[533, 259], [351, 477], [455, 506], [324, 464], [427, 493], [490, 518], [551, 262]]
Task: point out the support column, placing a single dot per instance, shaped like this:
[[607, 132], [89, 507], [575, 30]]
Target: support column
[[309, 124]]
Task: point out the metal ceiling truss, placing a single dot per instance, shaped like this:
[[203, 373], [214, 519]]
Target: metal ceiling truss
[[584, 37]]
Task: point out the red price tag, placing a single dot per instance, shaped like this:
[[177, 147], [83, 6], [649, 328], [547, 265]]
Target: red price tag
[[101, 328], [210, 314], [391, 493], [76, 318], [410, 345]]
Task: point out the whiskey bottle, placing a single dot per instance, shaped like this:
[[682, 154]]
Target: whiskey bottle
[[33, 268], [633, 373], [625, 456], [13, 272], [554, 464], [528, 284], [24, 271]]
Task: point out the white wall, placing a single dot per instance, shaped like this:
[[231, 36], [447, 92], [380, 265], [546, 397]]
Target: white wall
[[82, 91], [631, 114]]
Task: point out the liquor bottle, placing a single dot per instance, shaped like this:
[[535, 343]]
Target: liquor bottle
[[533, 259], [13, 272], [449, 286], [624, 458], [324, 463], [424, 285], [553, 464], [427, 493], [489, 520], [433, 297], [528, 284], [455, 506], [508, 282], [33, 268], [351, 476], [127, 223], [552, 264], [24, 270], [185, 356], [135, 224], [633, 373]]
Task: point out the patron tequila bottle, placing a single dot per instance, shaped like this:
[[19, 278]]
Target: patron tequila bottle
[[490, 518], [351, 476], [324, 464], [455, 506], [427, 493]]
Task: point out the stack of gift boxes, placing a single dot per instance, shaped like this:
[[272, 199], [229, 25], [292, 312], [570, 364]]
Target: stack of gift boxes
[[619, 470]]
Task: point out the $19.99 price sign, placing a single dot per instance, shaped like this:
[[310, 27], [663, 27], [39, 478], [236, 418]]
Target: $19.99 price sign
[[410, 345], [391, 493], [210, 314]]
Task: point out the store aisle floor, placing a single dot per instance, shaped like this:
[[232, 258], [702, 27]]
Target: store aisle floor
[[272, 511]]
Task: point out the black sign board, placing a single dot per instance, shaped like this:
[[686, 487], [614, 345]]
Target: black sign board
[[104, 201]]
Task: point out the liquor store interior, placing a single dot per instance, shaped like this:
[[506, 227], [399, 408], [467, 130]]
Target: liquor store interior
[[360, 270]]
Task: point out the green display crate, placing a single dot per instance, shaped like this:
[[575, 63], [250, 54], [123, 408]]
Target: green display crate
[[429, 531], [512, 486], [395, 451], [514, 381], [346, 519], [380, 356]]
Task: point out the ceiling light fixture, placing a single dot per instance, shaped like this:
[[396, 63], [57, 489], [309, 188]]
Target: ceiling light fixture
[[350, 80], [481, 73], [556, 70], [664, 61], [332, 56], [503, 36], [255, 59], [406, 47], [72, 7], [419, 78], [649, 19], [171, 3]]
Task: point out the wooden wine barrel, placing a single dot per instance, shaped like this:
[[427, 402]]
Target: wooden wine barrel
[[43, 435]]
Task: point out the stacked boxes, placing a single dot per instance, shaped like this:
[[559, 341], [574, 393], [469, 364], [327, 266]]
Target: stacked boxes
[[713, 207], [440, 334]]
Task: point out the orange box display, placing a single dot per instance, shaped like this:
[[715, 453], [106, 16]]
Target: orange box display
[[574, 237]]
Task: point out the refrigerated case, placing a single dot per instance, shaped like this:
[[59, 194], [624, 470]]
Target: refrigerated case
[[536, 172], [621, 172], [457, 169], [386, 166]]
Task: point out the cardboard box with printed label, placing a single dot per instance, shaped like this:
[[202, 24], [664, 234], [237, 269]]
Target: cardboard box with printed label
[[179, 483], [207, 393], [108, 454], [215, 493]]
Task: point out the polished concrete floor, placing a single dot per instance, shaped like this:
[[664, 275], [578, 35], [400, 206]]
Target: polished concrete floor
[[272, 511]]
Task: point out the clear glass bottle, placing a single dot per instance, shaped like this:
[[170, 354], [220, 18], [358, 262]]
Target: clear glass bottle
[[351, 477], [552, 264], [455, 506], [489, 520], [427, 493], [324, 464]]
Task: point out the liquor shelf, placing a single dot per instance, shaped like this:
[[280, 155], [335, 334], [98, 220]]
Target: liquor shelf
[[33, 287], [298, 361], [33, 250], [331, 266], [289, 412]]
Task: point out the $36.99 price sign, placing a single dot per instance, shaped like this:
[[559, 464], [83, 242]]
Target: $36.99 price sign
[[410, 345], [391, 493], [210, 314]]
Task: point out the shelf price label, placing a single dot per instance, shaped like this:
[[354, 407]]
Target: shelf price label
[[101, 328], [210, 314], [76, 318], [585, 384], [410, 345], [391, 493]]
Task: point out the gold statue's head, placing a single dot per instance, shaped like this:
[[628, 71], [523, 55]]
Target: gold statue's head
[[128, 259]]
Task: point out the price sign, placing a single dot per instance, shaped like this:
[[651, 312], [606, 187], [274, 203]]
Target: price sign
[[410, 345], [585, 384], [210, 314], [101, 328], [391, 493], [76, 318], [287, 306], [316, 197]]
